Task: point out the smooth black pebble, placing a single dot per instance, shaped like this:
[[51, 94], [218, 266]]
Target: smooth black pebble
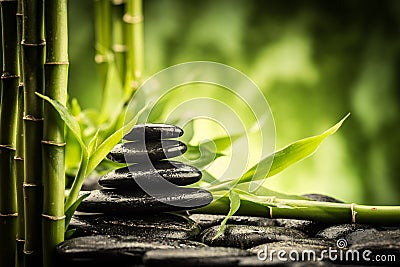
[[157, 226], [244, 236], [153, 132], [202, 256], [128, 202], [114, 250], [137, 152], [129, 177]]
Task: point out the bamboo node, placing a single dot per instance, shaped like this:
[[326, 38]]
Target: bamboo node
[[132, 19], [7, 75], [52, 143], [270, 199], [53, 218], [32, 118], [270, 212], [9, 215], [31, 185], [57, 63], [353, 213], [119, 48], [7, 147], [18, 158]]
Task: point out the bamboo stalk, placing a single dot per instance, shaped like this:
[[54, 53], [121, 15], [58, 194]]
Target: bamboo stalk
[[134, 32], [327, 212], [119, 47], [10, 81], [33, 64], [56, 78], [103, 38], [19, 154]]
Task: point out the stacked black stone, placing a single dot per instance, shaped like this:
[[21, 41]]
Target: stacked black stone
[[152, 183]]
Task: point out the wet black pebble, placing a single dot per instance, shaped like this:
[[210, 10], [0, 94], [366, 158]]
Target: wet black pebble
[[207, 220], [244, 236], [155, 226], [341, 230], [175, 172], [206, 256], [137, 152], [128, 202], [114, 250], [153, 131]]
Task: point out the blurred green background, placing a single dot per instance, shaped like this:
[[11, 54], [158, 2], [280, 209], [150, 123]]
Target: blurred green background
[[315, 61]]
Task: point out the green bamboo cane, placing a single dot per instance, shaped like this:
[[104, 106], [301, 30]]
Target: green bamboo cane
[[134, 32], [10, 81], [19, 154], [33, 64], [56, 78], [327, 212], [103, 38], [119, 47]]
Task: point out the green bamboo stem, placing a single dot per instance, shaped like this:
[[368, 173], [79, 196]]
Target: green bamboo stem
[[103, 38], [10, 81], [134, 32], [119, 47], [327, 212], [56, 78], [19, 145], [33, 69]]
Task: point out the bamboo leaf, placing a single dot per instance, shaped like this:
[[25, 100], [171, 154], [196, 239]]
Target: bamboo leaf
[[105, 147], [71, 210], [234, 204], [69, 233], [93, 143], [68, 118], [287, 156]]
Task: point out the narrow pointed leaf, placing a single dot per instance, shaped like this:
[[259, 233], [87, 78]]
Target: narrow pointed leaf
[[289, 155], [68, 118], [104, 148], [234, 205], [71, 210]]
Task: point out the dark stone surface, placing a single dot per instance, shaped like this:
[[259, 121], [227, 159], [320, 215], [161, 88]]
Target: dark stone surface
[[153, 132], [308, 227], [244, 236], [207, 220], [157, 226], [297, 247], [114, 250], [207, 256], [322, 198], [127, 202], [136, 152], [172, 171], [341, 230]]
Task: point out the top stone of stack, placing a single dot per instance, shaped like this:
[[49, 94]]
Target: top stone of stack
[[153, 132]]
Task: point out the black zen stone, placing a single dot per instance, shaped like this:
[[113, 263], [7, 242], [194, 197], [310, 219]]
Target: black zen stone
[[316, 245], [153, 132], [157, 226], [174, 172], [341, 230], [108, 250], [127, 202], [136, 152], [202, 256], [243, 236], [322, 198], [310, 228], [207, 220]]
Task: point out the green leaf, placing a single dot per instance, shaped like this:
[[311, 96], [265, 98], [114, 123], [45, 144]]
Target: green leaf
[[69, 233], [68, 119], [234, 204], [93, 143], [71, 210], [105, 147], [287, 156]]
